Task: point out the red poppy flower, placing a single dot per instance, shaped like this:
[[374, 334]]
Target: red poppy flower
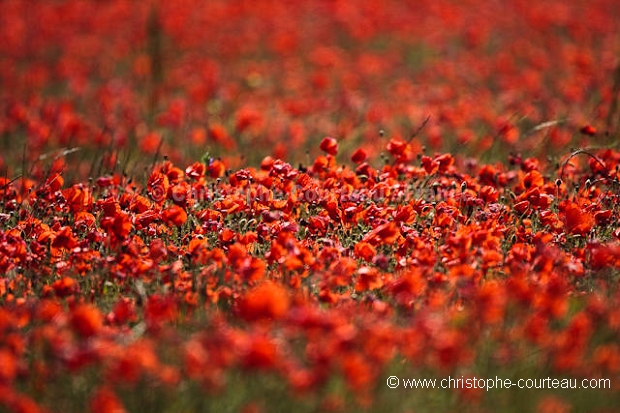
[[84, 219], [489, 194], [105, 181], [198, 136], [65, 287], [261, 353], [430, 166], [180, 194], [368, 279], [396, 147], [247, 117], [140, 204], [576, 220], [329, 146], [136, 361], [357, 371], [603, 217], [86, 320], [521, 207], [405, 215], [445, 161], [105, 401], [54, 182], [175, 215], [533, 179], [158, 185], [253, 269], [64, 239], [365, 251], [123, 312], [150, 142], [8, 366], [359, 156], [216, 169], [160, 309], [267, 163], [118, 224], [78, 198], [218, 133], [144, 219], [196, 170], [386, 233], [267, 300]]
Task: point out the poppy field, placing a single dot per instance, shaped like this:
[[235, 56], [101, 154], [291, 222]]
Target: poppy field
[[265, 206]]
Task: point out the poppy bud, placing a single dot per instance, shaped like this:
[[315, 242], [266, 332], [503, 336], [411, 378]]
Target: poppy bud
[[588, 130]]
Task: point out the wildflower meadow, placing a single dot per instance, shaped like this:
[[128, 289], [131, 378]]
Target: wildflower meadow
[[311, 206]]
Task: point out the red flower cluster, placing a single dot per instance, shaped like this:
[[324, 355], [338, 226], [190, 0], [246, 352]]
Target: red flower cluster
[[428, 267], [271, 77], [401, 243]]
